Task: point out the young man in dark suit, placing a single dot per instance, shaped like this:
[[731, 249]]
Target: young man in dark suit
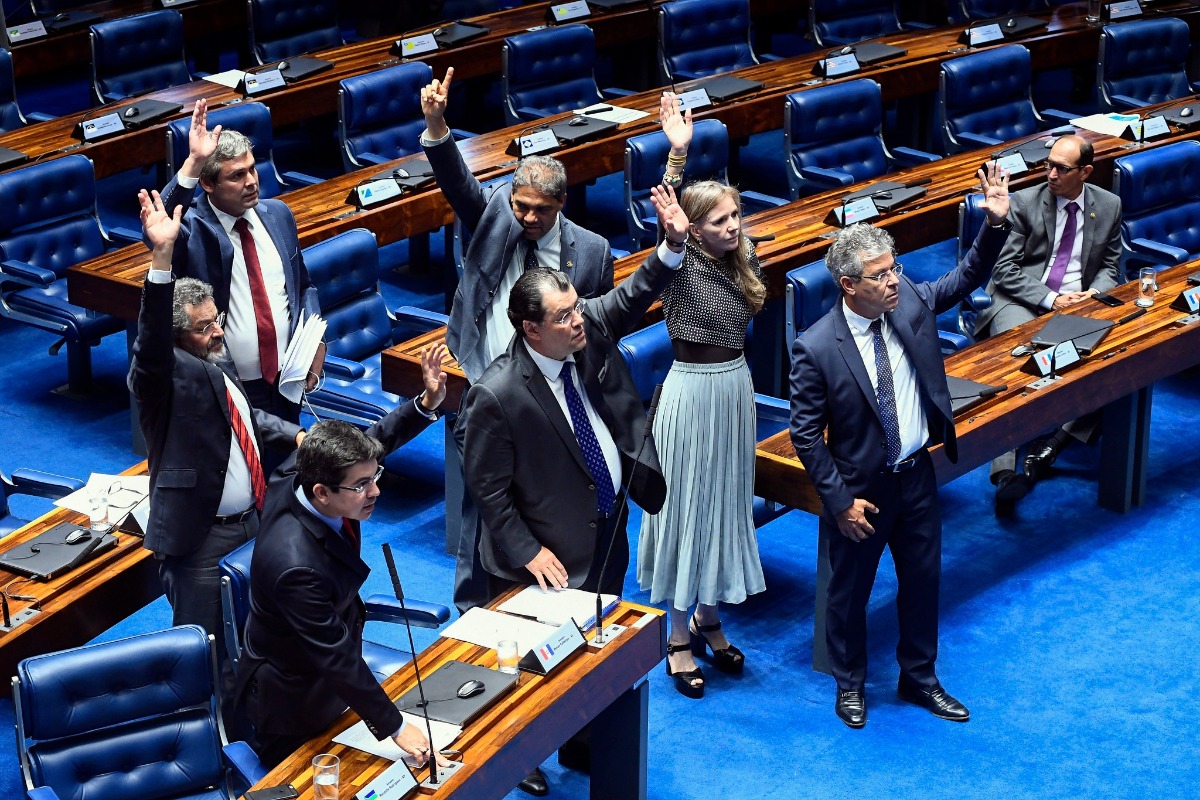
[[869, 375]]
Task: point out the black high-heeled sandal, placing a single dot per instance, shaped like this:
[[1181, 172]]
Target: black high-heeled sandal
[[730, 660], [683, 680]]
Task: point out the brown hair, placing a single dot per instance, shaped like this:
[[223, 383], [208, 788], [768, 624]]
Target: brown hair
[[697, 201]]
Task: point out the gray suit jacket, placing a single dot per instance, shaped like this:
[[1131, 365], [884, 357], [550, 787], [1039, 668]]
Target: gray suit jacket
[[495, 233], [1017, 277]]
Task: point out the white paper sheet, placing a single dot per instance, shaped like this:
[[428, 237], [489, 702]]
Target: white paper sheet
[[358, 737], [615, 114], [556, 606], [124, 492], [298, 357], [485, 628], [230, 78]]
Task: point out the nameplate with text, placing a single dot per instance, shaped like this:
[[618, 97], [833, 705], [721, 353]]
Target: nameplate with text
[[555, 649], [984, 34], [1188, 300], [1013, 164], [259, 82], [573, 10], [1154, 126], [416, 45], [1124, 10], [392, 784], [23, 33], [696, 98], [100, 127], [841, 65]]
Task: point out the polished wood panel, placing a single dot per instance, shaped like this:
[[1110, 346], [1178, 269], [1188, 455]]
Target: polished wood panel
[[83, 603]]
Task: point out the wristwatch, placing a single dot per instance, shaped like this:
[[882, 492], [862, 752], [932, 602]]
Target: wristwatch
[[432, 416]]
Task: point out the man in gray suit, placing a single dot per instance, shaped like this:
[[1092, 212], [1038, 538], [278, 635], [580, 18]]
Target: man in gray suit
[[513, 228], [1064, 247]]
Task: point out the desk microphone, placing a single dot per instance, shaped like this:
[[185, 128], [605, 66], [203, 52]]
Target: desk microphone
[[7, 618], [598, 640], [767, 237], [987, 391]]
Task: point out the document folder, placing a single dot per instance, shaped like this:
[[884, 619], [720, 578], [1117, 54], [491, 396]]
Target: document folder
[[441, 692], [48, 555], [1085, 332]]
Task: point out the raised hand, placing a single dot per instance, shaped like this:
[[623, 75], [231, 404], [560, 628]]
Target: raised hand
[[433, 375], [202, 142], [993, 181], [670, 216], [677, 127], [161, 228], [434, 99]]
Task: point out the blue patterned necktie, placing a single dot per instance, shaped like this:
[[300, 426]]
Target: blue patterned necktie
[[531, 259], [587, 443], [885, 393]]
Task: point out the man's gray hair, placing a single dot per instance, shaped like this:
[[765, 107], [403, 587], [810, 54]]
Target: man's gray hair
[[543, 174], [230, 145], [855, 246], [188, 292]]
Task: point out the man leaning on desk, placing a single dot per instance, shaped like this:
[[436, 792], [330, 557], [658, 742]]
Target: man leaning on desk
[[1064, 247]]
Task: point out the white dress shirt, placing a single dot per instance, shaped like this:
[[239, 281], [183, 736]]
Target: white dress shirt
[[497, 330]]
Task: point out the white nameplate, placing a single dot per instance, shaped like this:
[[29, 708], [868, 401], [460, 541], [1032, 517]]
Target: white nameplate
[[538, 142], [841, 65], [859, 210], [173, 3], [375, 192], [1190, 297], [1013, 164], [696, 98], [1154, 126], [1132, 8], [1062, 355], [572, 10], [984, 34], [23, 33], [565, 640], [107, 125], [265, 81], [416, 45], [392, 784]]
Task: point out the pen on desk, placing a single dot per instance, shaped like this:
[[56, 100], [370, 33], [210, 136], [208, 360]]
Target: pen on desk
[[1107, 356], [1131, 316]]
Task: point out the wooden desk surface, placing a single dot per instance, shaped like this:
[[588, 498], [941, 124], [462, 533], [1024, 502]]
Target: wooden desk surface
[[519, 731], [82, 603], [1131, 357]]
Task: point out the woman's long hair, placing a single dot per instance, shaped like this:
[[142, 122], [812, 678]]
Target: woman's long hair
[[697, 201]]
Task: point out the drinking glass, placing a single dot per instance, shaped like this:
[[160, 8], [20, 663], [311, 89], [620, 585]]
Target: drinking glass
[[325, 776]]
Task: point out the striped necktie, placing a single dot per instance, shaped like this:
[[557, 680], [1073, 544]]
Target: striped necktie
[[258, 485]]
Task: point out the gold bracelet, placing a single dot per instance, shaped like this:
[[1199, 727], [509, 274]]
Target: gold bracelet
[[676, 161]]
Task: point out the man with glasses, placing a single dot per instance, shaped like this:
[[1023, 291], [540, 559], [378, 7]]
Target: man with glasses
[[1065, 246], [869, 376]]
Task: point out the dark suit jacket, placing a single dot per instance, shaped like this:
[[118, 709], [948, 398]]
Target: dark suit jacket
[[1017, 277], [831, 389], [303, 644], [522, 462], [203, 250], [495, 233], [184, 415]]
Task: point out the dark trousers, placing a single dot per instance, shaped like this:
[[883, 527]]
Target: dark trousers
[[909, 522]]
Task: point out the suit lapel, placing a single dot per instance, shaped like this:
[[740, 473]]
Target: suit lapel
[[545, 398], [849, 350], [220, 273], [566, 249], [1049, 221], [335, 544], [1089, 228], [275, 231]]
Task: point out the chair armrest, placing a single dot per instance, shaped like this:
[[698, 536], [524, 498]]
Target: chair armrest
[[836, 40], [766, 200], [977, 139], [1124, 101], [27, 274], [125, 235], [916, 26], [371, 158], [38, 116], [244, 762], [769, 57], [423, 614], [978, 300], [613, 91], [344, 368], [528, 113], [685, 75], [826, 177], [409, 321], [459, 134], [910, 157], [42, 793], [951, 341], [1056, 117], [45, 484], [1160, 252], [301, 178]]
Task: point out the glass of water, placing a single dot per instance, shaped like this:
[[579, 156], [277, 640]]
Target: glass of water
[[325, 776], [1093, 11], [507, 658], [1147, 285], [99, 509]]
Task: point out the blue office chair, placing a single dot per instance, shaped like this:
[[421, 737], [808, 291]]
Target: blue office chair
[[988, 9], [282, 29], [550, 71], [32, 483], [383, 660], [839, 22], [50, 224], [252, 120], [833, 137], [135, 717], [1160, 206], [984, 99], [138, 54], [646, 160], [11, 116], [1143, 62], [698, 38]]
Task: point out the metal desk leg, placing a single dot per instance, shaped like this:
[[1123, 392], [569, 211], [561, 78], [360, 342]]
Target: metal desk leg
[[619, 747], [820, 601], [1123, 452]]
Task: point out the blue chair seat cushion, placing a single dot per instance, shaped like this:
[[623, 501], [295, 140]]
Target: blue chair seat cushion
[[384, 661], [51, 303], [362, 398]]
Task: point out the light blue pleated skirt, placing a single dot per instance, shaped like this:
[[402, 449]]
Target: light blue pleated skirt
[[702, 545]]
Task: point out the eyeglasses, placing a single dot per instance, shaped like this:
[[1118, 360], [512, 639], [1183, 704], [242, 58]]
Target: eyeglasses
[[567, 316], [219, 322], [362, 485], [896, 270], [1062, 169]]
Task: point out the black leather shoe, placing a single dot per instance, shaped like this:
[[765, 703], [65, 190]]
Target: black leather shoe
[[535, 784], [936, 701], [851, 707], [1041, 456], [1011, 486]]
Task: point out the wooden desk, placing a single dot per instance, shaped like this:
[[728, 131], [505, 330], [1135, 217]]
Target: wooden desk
[[520, 731], [82, 603]]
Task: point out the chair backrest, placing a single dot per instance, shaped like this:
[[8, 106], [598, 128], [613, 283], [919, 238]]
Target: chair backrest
[[345, 270], [986, 93], [835, 127], [252, 120], [1160, 196], [697, 38], [649, 355], [11, 117], [1145, 60], [970, 220], [235, 597], [846, 21], [549, 71], [646, 161], [380, 112], [281, 29], [137, 54], [987, 9], [50, 218], [133, 717], [810, 293]]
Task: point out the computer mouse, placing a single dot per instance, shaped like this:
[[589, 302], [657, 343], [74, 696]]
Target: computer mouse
[[132, 111], [1022, 350], [1049, 143], [885, 195], [471, 688], [577, 122], [847, 50], [400, 173], [1012, 23], [59, 17], [1186, 112], [78, 535], [283, 65]]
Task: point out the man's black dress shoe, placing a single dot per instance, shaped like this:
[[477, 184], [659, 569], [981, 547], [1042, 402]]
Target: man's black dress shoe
[[1041, 456], [1011, 486], [851, 707], [935, 700], [535, 784]]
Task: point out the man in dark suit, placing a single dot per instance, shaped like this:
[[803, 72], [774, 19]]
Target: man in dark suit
[[247, 249], [513, 228], [302, 661], [870, 375], [1065, 246], [204, 439]]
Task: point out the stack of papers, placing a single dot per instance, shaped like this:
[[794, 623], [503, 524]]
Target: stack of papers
[[1109, 124], [612, 113], [556, 606], [485, 627], [301, 351], [358, 737]]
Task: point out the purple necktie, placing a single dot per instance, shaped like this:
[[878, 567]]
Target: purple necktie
[[1059, 268]]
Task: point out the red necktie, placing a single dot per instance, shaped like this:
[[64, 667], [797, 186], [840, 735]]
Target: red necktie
[[349, 532], [257, 484], [268, 345]]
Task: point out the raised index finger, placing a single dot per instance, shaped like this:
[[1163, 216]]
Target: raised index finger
[[445, 87]]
